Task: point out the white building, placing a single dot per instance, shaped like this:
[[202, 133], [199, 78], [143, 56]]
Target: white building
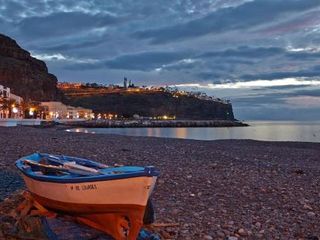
[[14, 109], [58, 110], [4, 92]]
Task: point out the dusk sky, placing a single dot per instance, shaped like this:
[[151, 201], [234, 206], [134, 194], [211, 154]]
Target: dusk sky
[[264, 55]]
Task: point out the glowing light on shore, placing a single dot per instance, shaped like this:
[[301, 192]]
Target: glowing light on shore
[[31, 111], [15, 110]]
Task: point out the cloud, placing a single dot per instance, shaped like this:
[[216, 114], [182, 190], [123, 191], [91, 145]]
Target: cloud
[[267, 103], [63, 24], [279, 75], [143, 61], [303, 101], [91, 43], [276, 113], [182, 64], [255, 84], [244, 17], [282, 87], [315, 92], [246, 52], [299, 23], [16, 11], [213, 76], [255, 100], [11, 10], [304, 55], [256, 52], [61, 57]]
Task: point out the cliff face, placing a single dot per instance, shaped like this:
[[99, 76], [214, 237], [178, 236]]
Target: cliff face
[[27, 77], [153, 104]]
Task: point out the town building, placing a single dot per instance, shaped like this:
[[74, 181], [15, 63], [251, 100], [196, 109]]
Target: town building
[[10, 104], [58, 110], [67, 85]]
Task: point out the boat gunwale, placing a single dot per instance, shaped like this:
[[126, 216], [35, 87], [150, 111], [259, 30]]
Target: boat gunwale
[[148, 172]]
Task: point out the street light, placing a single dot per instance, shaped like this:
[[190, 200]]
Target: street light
[[31, 111], [15, 110]]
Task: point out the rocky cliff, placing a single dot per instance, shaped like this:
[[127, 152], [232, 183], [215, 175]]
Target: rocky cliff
[[27, 77]]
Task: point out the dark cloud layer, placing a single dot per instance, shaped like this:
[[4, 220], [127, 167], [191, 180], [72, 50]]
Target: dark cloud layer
[[64, 24], [72, 45], [244, 17], [186, 42], [144, 61], [246, 52]]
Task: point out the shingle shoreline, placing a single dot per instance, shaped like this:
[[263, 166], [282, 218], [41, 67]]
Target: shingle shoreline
[[242, 188]]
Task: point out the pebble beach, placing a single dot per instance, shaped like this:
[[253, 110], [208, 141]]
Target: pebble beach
[[223, 189]]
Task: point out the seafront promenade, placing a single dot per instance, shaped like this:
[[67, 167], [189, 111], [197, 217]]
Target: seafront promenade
[[212, 189], [12, 122]]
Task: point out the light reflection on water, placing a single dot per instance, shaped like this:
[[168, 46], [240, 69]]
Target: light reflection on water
[[269, 131]]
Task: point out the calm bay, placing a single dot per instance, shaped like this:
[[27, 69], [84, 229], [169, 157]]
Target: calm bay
[[258, 130]]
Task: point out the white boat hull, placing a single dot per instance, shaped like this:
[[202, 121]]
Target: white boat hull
[[93, 195]]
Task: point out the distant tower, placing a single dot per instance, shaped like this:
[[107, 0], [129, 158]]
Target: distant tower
[[125, 82], [130, 83]]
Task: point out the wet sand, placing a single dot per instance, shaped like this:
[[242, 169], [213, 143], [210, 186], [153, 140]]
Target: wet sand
[[213, 189]]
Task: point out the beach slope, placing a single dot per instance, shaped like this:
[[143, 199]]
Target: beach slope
[[212, 189]]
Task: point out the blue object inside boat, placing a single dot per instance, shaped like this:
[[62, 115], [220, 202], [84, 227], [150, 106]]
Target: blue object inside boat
[[108, 173]]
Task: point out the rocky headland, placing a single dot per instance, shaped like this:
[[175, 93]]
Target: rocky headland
[[149, 103], [27, 76]]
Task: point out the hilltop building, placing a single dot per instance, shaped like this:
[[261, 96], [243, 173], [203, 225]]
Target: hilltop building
[[125, 83]]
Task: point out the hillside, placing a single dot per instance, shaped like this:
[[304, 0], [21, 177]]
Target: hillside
[[27, 77], [148, 103]]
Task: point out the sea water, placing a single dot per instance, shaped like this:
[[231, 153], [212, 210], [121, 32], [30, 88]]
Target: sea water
[[258, 130]]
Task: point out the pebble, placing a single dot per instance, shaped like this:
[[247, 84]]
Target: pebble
[[232, 238], [259, 235], [311, 214], [230, 222], [208, 237], [175, 211], [220, 234], [308, 207], [242, 232], [258, 225], [161, 181]]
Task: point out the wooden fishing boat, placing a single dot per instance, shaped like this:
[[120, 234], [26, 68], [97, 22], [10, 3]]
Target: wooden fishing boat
[[111, 199]]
